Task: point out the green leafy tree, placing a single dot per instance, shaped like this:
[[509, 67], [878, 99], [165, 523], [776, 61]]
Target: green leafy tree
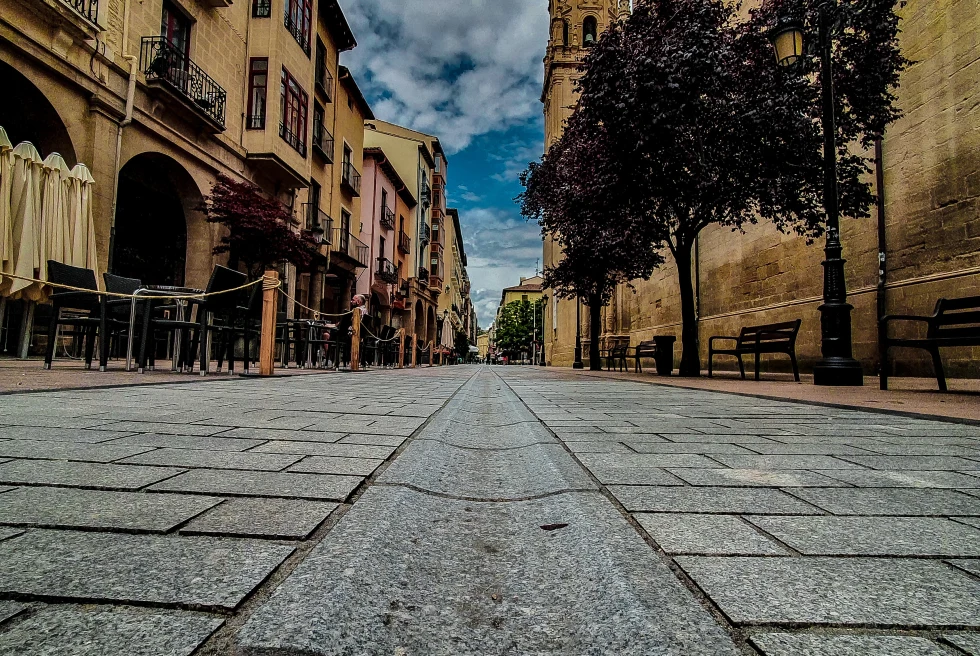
[[517, 329], [462, 345]]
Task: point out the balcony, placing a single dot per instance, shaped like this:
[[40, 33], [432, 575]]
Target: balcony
[[425, 234], [349, 247], [87, 9], [167, 68], [295, 27], [423, 276], [323, 143], [318, 220], [426, 193], [386, 273], [324, 82], [404, 242], [388, 219], [261, 8], [351, 179]]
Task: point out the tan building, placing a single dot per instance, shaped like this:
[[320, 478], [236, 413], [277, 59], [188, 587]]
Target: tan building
[[454, 300], [930, 222], [483, 345], [166, 95], [416, 157]]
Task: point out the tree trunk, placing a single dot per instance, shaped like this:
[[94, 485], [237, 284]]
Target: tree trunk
[[690, 339], [595, 330]]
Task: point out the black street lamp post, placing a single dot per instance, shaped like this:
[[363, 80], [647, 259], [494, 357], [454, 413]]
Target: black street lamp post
[[578, 364], [837, 366]]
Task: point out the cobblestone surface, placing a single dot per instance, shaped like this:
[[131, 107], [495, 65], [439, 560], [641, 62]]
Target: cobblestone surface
[[467, 510]]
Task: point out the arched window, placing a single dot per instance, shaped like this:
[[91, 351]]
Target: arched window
[[590, 31], [564, 33]]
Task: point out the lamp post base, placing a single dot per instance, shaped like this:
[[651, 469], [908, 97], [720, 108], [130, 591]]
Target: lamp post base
[[578, 364], [840, 372]]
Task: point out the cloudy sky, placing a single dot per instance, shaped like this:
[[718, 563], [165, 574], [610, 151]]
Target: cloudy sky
[[469, 72]]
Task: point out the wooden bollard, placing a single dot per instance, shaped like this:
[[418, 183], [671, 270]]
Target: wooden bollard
[[401, 348], [355, 341], [414, 346], [430, 352], [267, 344]]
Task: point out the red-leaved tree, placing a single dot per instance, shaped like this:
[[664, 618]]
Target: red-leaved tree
[[259, 235]]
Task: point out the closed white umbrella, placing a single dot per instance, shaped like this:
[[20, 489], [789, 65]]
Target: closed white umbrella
[[81, 221], [6, 229], [25, 215], [56, 244]]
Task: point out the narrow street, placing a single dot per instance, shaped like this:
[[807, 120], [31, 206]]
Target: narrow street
[[480, 510]]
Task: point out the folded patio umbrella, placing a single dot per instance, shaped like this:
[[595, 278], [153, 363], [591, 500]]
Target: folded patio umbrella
[[81, 221], [25, 217], [448, 338], [6, 230], [55, 241]]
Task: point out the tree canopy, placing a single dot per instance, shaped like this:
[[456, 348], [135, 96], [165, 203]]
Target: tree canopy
[[518, 327]]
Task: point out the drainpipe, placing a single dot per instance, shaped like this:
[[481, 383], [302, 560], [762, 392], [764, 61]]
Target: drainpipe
[[127, 119], [882, 244]]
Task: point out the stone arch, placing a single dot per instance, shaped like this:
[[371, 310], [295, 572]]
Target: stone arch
[[430, 335], [161, 236], [419, 320], [28, 115]]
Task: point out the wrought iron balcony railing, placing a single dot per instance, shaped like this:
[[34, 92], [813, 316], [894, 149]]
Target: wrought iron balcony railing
[[317, 219], [324, 81], [351, 179], [296, 28], [426, 195], [388, 219], [423, 275], [425, 234], [161, 62], [404, 242], [297, 141], [386, 271], [346, 244], [323, 142], [89, 9]]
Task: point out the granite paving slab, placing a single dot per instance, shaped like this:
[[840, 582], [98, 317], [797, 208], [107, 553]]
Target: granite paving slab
[[598, 447], [633, 476], [890, 501], [802, 644], [215, 459], [784, 462], [873, 536], [165, 428], [969, 521], [716, 438], [928, 450], [755, 478], [487, 474], [971, 566], [687, 447], [717, 500], [650, 460], [72, 631], [279, 519], [918, 463], [707, 535], [406, 572], [968, 642], [837, 591], [60, 434], [327, 450], [386, 426], [276, 434], [82, 474], [93, 509], [479, 437], [189, 572], [335, 465], [10, 609], [48, 450], [262, 484], [188, 442], [6, 532], [905, 478], [374, 440], [811, 449]]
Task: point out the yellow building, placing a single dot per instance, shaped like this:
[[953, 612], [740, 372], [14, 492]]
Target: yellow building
[[454, 301], [483, 345], [531, 289], [160, 97], [930, 164]]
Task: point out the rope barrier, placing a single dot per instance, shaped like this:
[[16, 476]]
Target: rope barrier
[[155, 297], [365, 329], [316, 313]]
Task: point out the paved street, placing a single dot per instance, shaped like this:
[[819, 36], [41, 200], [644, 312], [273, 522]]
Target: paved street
[[476, 510]]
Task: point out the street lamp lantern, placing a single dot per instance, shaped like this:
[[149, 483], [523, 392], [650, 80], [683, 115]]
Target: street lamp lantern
[[837, 366], [787, 42]]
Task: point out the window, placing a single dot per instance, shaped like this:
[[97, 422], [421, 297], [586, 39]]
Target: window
[[313, 209], [524, 297], [317, 125], [293, 103], [176, 29], [381, 247], [350, 102], [590, 31], [384, 199], [261, 8], [438, 163], [298, 20], [564, 34], [258, 82], [344, 231]]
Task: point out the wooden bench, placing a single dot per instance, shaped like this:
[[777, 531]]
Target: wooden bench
[[756, 340], [956, 322], [616, 357]]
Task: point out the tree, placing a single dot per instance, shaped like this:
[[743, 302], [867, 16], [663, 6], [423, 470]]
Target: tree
[[462, 345], [716, 133], [517, 328], [259, 235], [579, 196]]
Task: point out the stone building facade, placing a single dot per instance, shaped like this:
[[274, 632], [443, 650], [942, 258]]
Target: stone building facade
[[929, 243]]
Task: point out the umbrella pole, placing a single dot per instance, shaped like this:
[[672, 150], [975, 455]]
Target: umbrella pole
[[26, 328]]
